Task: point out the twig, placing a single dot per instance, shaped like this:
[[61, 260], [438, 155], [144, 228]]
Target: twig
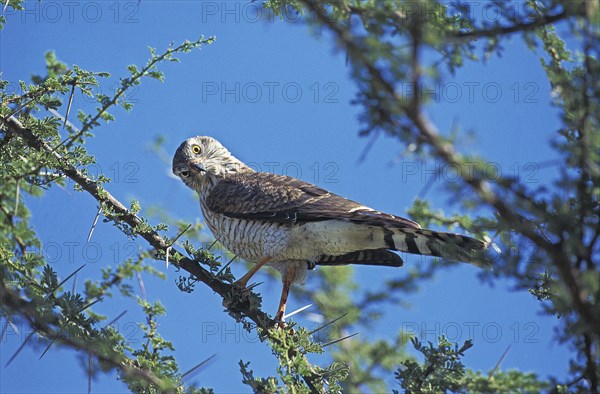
[[127, 83], [28, 310], [505, 30]]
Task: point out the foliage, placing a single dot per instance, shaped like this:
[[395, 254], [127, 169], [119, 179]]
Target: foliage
[[31, 290], [441, 371], [386, 42]]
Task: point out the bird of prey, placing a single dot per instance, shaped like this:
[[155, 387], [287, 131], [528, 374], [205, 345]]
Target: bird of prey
[[294, 226]]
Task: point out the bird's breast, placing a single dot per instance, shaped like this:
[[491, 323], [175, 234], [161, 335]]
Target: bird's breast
[[250, 240]]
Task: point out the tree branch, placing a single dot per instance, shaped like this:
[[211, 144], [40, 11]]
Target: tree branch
[[133, 80], [260, 318], [505, 30], [27, 310]]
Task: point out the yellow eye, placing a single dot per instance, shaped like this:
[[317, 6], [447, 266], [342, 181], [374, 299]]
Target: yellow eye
[[196, 149]]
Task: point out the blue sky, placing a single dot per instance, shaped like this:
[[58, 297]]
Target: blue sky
[[278, 96]]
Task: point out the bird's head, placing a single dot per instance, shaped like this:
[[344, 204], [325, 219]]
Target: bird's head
[[202, 161]]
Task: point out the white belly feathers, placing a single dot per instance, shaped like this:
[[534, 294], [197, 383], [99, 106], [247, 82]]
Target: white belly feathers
[[251, 240]]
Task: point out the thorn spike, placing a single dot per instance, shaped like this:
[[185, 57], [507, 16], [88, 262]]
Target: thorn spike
[[339, 340], [199, 365], [19, 349], [94, 224], [116, 318], [327, 324], [296, 311]]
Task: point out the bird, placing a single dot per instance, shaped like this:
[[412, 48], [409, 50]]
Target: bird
[[295, 226]]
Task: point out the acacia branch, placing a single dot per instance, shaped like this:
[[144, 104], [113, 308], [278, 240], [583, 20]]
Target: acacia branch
[[260, 318], [41, 324], [540, 21], [505, 30], [131, 81]]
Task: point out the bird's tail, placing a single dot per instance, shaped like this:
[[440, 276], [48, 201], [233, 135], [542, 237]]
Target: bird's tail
[[434, 243], [365, 257]]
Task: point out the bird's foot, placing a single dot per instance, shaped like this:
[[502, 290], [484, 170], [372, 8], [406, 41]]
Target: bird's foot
[[281, 325], [279, 322]]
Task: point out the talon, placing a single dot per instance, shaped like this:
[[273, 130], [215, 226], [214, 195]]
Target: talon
[[279, 322]]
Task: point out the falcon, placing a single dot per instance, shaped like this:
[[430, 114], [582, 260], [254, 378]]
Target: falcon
[[294, 226]]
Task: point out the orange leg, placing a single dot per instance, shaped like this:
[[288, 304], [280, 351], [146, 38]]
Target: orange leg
[[287, 283], [243, 281]]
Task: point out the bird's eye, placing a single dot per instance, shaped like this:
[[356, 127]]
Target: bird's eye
[[184, 174], [196, 149]]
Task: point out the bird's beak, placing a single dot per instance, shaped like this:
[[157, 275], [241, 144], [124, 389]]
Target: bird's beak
[[195, 166]]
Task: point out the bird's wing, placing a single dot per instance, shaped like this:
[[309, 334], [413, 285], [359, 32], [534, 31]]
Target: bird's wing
[[270, 197]]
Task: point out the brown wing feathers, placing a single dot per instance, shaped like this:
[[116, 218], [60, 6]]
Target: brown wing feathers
[[265, 196]]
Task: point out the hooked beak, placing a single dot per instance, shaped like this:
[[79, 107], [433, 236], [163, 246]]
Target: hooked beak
[[197, 167]]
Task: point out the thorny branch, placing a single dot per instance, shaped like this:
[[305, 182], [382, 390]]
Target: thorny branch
[[492, 32], [516, 28], [260, 318], [126, 84], [38, 323]]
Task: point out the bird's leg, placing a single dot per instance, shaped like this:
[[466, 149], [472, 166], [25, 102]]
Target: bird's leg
[[288, 278], [243, 281]]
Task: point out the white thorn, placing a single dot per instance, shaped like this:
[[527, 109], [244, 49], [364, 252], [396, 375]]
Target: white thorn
[[296, 311], [167, 256], [59, 116], [94, 224]]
